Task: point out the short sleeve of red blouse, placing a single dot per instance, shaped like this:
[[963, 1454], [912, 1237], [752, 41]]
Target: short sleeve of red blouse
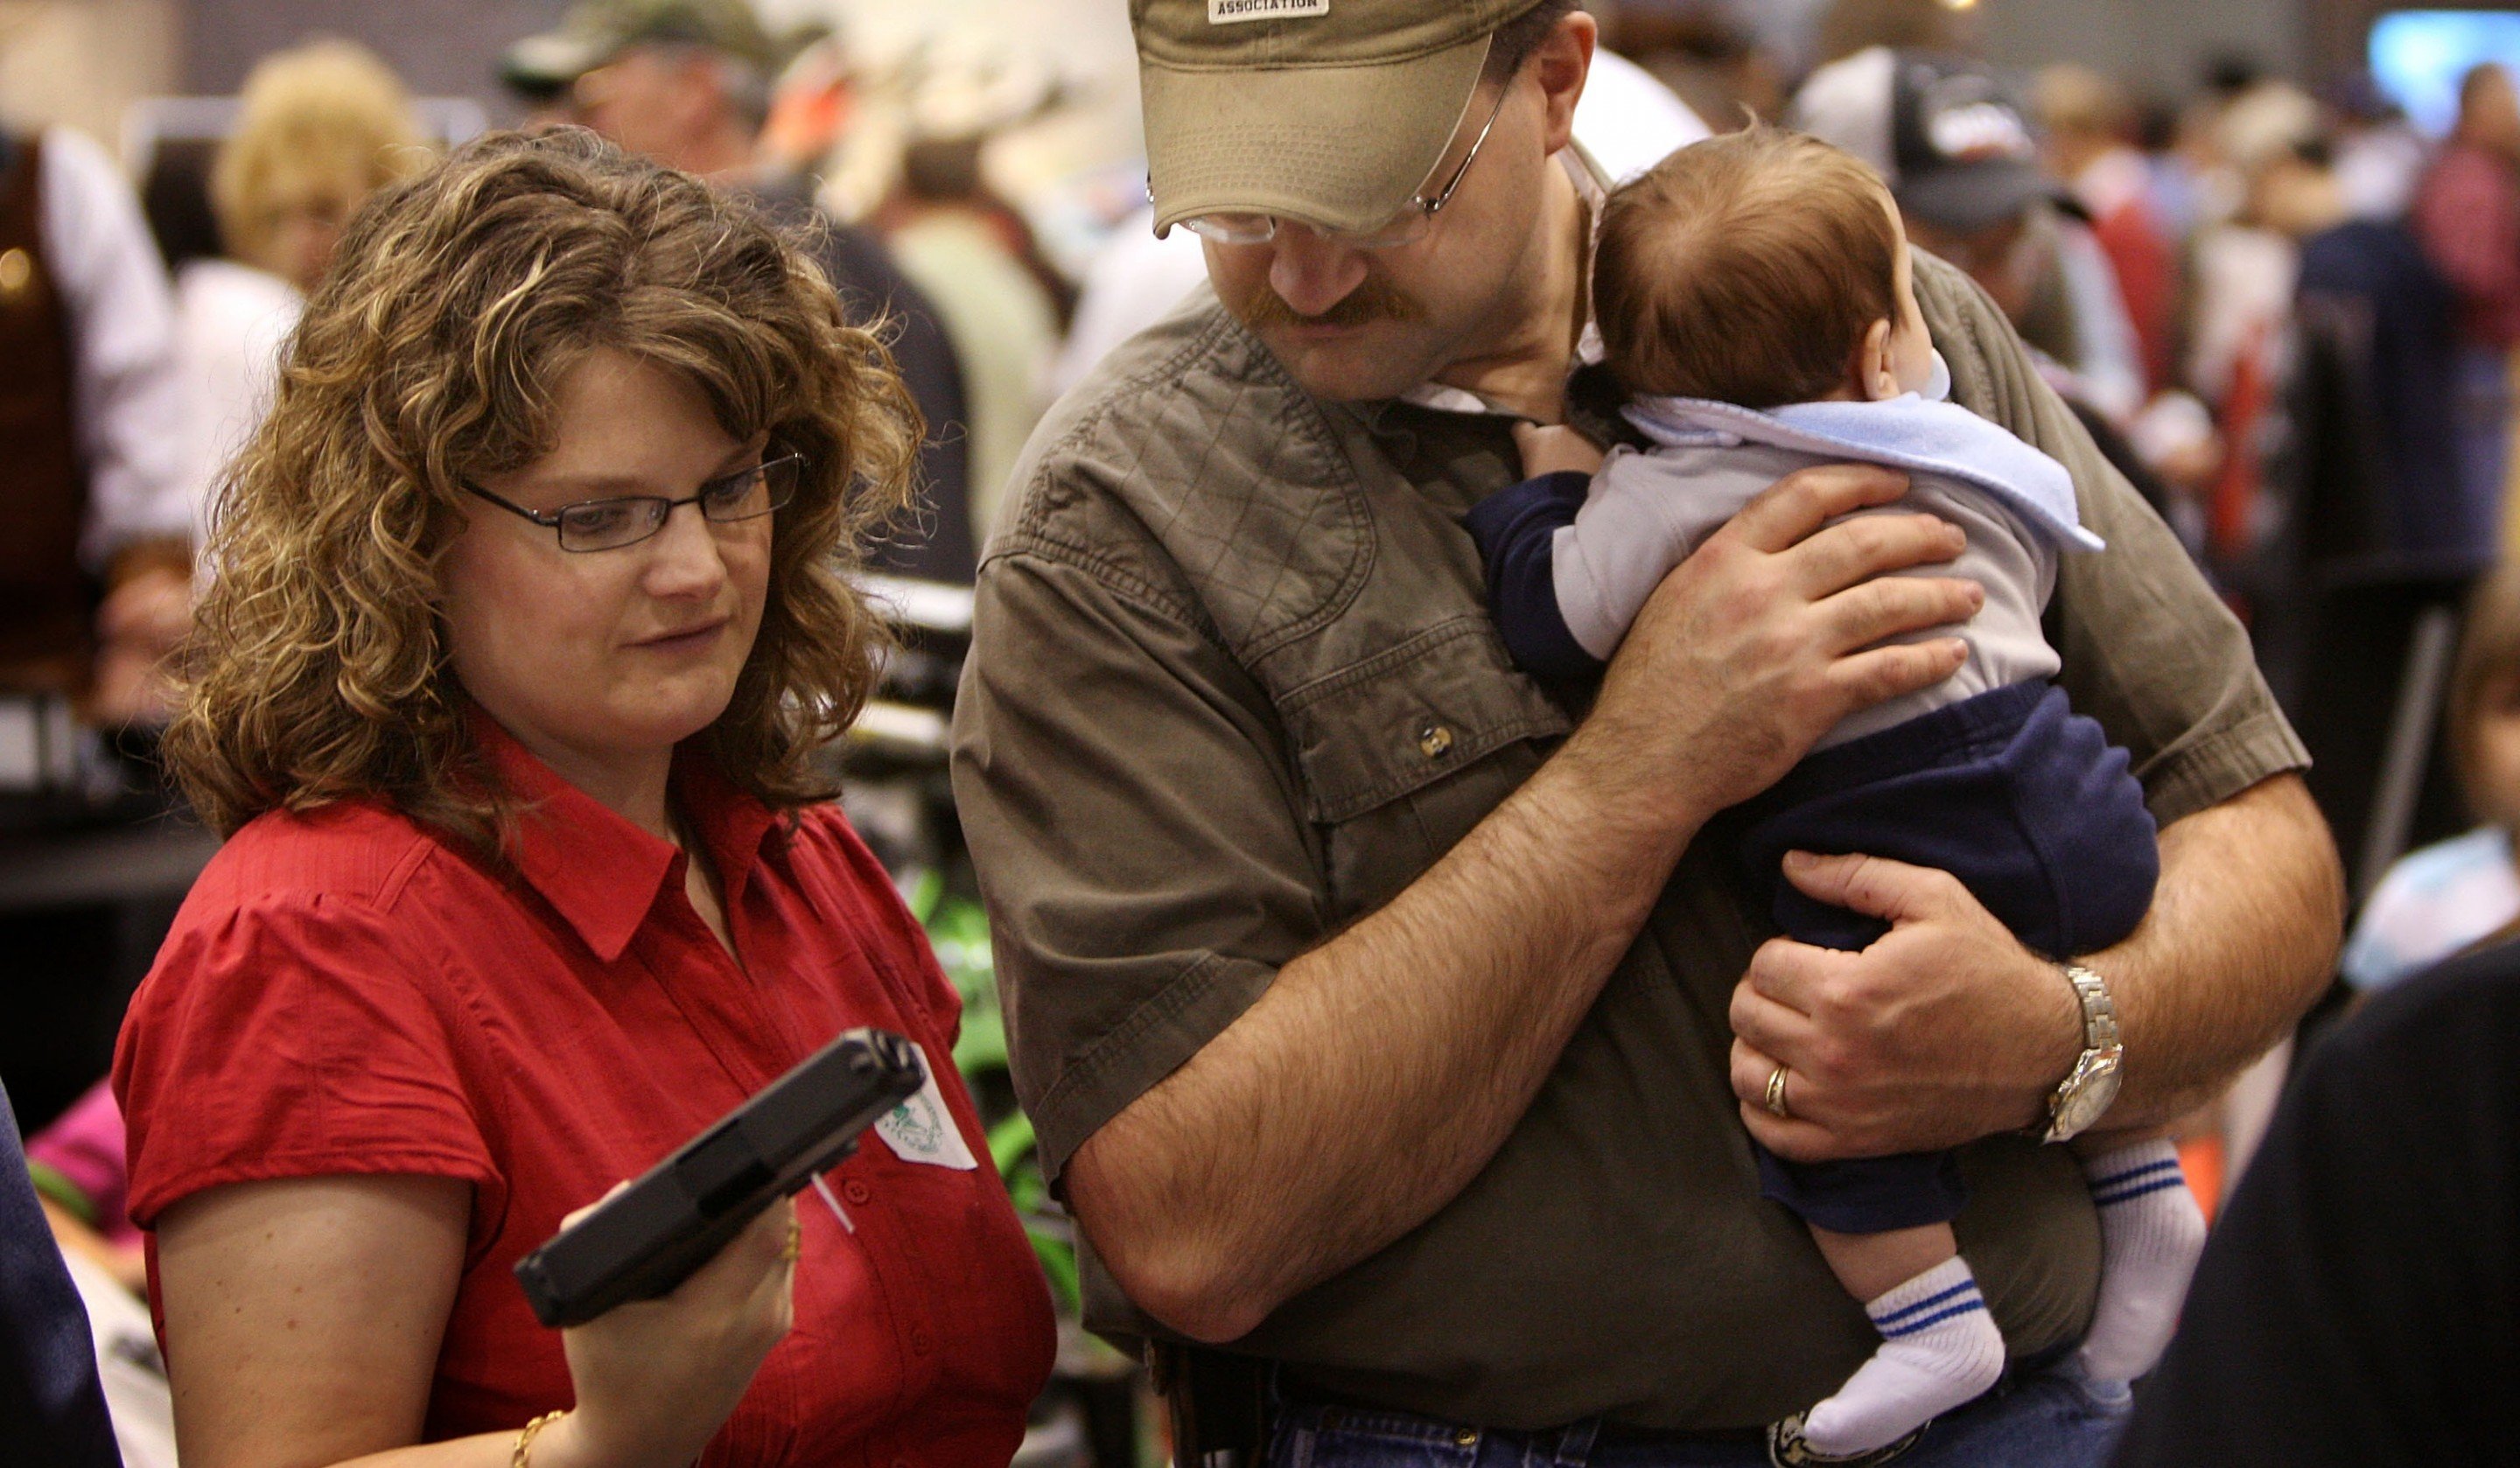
[[292, 1035]]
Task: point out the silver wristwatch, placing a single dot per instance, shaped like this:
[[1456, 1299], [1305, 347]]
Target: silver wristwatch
[[2092, 1084]]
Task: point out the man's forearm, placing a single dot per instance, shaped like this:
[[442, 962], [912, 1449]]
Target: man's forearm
[[2241, 941], [1380, 1071]]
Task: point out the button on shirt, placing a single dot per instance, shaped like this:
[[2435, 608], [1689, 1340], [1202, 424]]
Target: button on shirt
[[347, 992]]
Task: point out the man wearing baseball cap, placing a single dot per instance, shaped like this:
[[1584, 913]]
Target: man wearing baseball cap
[[595, 33], [1383, 1017], [1955, 144], [687, 83]]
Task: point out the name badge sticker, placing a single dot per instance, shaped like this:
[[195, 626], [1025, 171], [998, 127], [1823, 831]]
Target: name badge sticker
[[921, 1128], [1235, 12]]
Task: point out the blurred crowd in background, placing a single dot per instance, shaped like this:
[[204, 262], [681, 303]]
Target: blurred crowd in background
[[2285, 308], [984, 190]]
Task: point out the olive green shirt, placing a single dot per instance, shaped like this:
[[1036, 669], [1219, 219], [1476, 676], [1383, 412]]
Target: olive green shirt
[[1234, 683]]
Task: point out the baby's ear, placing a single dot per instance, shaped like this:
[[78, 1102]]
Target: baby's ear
[[1876, 365]]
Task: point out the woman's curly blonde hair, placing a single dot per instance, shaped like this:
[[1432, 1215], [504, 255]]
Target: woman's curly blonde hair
[[317, 669]]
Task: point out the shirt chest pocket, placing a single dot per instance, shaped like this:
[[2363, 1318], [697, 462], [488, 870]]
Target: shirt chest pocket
[[1403, 752]]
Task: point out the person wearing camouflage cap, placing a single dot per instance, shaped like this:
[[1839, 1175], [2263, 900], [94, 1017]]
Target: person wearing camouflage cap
[[596, 32], [687, 83], [1383, 1014]]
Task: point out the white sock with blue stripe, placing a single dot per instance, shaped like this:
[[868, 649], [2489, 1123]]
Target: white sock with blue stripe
[[2152, 1231], [1939, 1348]]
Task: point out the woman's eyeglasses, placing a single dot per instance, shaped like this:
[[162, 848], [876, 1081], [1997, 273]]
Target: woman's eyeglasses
[[610, 524]]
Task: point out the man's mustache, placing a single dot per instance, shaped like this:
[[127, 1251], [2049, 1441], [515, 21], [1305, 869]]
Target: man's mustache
[[1373, 299]]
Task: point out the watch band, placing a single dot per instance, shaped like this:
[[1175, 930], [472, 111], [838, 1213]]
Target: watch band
[[2099, 1011], [2092, 1084]]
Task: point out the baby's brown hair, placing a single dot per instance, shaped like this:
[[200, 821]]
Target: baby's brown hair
[[1745, 269]]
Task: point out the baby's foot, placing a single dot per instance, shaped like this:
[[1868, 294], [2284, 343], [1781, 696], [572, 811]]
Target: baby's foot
[[2152, 1231], [1939, 1348]]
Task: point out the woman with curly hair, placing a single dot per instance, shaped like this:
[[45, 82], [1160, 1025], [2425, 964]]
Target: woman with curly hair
[[529, 615]]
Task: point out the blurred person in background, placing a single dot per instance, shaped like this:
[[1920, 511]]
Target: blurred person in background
[[2368, 531], [2296, 193], [2089, 145], [2467, 216], [49, 1395], [1960, 156], [2372, 392], [2203, 142], [1705, 51], [96, 579], [78, 1168], [1004, 305], [321, 127], [966, 92], [687, 83], [96, 570], [2244, 265], [2355, 1306], [944, 229], [1848, 26], [2441, 899], [2164, 133], [2380, 155], [531, 618]]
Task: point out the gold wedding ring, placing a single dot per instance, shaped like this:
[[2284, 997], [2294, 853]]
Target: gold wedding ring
[[795, 1241], [1776, 1094]]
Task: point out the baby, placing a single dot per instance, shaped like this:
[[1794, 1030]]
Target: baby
[[1754, 296]]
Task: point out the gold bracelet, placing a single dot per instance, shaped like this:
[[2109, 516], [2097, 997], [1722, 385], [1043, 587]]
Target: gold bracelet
[[525, 1436]]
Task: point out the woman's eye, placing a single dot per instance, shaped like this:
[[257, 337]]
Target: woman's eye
[[599, 519], [732, 491]]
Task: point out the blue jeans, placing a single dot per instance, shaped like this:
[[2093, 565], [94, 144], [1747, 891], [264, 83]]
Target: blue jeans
[[2042, 1420]]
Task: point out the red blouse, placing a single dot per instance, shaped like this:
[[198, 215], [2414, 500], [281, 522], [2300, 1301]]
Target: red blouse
[[345, 992]]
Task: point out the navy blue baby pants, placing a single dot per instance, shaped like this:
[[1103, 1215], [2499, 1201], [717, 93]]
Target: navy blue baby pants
[[2012, 792]]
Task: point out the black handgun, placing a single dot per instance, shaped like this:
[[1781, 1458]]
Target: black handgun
[[650, 1236]]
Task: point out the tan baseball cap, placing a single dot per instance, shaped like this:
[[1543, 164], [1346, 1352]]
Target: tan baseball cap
[[1332, 112]]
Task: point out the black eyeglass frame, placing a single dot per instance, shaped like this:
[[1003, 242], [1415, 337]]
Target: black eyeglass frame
[[556, 521]]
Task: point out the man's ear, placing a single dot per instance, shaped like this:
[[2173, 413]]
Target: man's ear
[[1560, 65]]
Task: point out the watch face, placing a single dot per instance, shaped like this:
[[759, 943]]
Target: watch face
[[2089, 1098]]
